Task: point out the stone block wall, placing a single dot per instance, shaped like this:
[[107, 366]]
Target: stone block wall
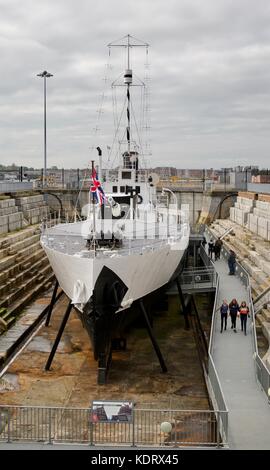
[[34, 208], [10, 216], [253, 213], [19, 212]]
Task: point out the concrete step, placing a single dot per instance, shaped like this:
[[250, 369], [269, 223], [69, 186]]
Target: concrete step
[[222, 224], [256, 288], [9, 240], [17, 308], [36, 279], [23, 255], [31, 269], [19, 246], [244, 244], [6, 262], [256, 273], [18, 267], [247, 258], [259, 261], [3, 312], [265, 313], [263, 251], [13, 264]]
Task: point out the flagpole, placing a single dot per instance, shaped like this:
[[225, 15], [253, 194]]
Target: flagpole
[[94, 209], [100, 164]]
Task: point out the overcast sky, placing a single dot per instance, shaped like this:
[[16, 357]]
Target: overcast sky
[[209, 70]]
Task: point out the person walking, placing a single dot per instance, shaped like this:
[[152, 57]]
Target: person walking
[[210, 247], [244, 313], [234, 309], [204, 242], [232, 262], [224, 314], [217, 248]]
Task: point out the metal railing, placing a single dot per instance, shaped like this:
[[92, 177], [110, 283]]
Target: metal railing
[[214, 387], [261, 371], [198, 278], [212, 379], [205, 258], [55, 425]]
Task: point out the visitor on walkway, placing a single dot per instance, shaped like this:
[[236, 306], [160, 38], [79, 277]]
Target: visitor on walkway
[[204, 242], [210, 248], [232, 262], [217, 248], [244, 313], [234, 309], [224, 314]]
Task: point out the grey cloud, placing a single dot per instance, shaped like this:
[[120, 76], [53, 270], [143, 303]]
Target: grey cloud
[[209, 78]]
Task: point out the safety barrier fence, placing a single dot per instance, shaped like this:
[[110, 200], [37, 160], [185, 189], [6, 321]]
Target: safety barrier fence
[[262, 372], [212, 379], [198, 278], [144, 427]]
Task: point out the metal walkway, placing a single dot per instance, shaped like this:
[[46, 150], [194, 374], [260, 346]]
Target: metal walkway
[[236, 362]]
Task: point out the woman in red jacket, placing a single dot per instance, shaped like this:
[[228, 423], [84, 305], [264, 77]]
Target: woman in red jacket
[[244, 313]]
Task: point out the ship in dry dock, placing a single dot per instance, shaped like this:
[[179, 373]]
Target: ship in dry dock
[[129, 245]]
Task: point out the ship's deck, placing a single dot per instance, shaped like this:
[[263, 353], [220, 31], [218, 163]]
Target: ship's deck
[[77, 245]]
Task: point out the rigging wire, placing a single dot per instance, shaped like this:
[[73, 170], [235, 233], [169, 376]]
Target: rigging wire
[[99, 111], [117, 130], [117, 120]]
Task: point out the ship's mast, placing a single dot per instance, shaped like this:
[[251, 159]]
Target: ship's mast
[[128, 81], [128, 42]]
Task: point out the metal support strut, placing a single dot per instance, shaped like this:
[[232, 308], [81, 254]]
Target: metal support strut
[[58, 337], [152, 337], [47, 322], [183, 304]]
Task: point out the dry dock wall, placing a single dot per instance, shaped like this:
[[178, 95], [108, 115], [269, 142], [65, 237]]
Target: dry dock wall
[[203, 207], [215, 206], [252, 211], [18, 212], [33, 208], [10, 217]]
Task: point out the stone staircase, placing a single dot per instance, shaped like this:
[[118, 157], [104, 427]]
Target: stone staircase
[[251, 250], [24, 272]]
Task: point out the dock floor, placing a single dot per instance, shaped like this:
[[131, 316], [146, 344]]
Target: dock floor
[[134, 375]]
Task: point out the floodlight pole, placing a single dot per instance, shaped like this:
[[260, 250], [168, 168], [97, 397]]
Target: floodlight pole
[[45, 75]]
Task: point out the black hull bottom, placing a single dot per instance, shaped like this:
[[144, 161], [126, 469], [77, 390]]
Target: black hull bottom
[[99, 319]]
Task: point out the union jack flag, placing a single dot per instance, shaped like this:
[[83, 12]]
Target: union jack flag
[[96, 189]]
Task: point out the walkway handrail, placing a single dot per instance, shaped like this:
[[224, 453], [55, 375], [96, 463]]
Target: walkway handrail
[[213, 318], [261, 371], [213, 382]]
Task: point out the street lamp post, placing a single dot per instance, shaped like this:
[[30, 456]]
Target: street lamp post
[[45, 75]]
